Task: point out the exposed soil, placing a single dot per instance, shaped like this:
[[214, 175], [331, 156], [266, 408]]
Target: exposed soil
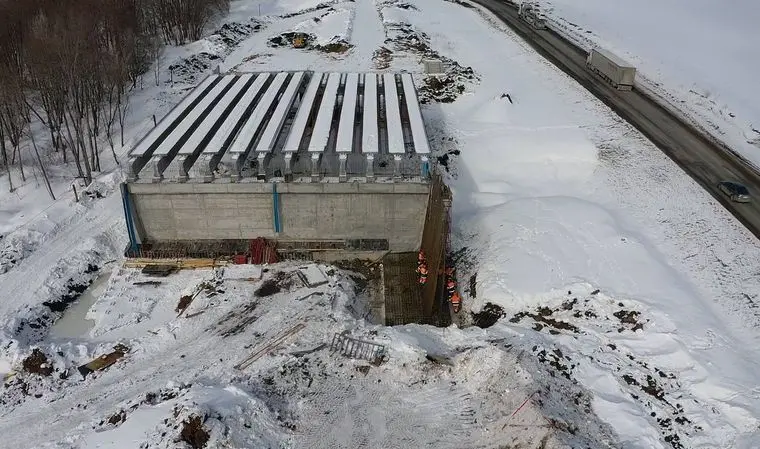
[[326, 6], [542, 319], [117, 418], [37, 363], [189, 70], [267, 288], [443, 88], [286, 39], [336, 45], [487, 317], [629, 317], [184, 301], [445, 158], [193, 432], [440, 89], [382, 58]]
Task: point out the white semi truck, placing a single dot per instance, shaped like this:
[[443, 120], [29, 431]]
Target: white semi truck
[[613, 69]]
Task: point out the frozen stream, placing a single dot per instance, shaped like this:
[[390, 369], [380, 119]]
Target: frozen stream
[[74, 322]]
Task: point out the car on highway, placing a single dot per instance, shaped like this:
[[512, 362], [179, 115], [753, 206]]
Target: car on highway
[[737, 192]]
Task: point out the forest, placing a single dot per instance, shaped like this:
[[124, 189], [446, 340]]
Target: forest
[[67, 68]]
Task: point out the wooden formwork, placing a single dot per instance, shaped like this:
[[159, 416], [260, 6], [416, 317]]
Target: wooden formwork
[[434, 240]]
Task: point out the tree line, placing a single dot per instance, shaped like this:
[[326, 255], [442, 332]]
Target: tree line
[[67, 67]]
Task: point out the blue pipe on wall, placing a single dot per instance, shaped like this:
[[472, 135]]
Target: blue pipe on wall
[[276, 207], [128, 217], [425, 169]]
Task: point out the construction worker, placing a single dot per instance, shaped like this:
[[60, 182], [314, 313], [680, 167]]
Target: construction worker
[[423, 271], [451, 287], [456, 302]]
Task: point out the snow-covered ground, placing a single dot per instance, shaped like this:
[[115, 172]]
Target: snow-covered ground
[[628, 294], [698, 55]]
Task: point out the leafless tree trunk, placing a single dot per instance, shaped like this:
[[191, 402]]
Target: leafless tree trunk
[[42, 168]]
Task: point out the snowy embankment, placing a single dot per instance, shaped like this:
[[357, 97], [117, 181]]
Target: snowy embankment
[[697, 56], [627, 293], [582, 233]]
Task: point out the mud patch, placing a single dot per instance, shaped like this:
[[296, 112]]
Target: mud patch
[[193, 433], [629, 320], [446, 158], [382, 58], [37, 363], [488, 316], [543, 319]]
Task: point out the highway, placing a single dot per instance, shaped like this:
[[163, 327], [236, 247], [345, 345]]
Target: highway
[[704, 159]]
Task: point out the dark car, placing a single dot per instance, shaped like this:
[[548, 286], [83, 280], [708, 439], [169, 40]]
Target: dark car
[[737, 192]]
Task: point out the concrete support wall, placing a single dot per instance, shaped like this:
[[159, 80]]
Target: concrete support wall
[[308, 211]]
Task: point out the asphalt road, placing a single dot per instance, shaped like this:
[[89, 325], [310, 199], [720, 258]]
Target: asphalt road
[[705, 160]]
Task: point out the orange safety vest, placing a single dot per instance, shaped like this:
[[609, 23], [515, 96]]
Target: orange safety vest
[[456, 301]]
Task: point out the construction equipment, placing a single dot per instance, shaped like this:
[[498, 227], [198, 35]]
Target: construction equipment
[[299, 40]]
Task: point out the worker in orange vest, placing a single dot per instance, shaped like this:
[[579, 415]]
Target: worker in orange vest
[[423, 271], [456, 302], [451, 287]]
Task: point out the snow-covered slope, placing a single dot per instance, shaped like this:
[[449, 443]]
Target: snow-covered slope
[[624, 296], [699, 55]]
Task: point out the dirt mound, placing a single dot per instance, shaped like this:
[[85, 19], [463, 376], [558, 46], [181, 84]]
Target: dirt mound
[[227, 37], [233, 33], [444, 88], [37, 363], [336, 46], [382, 58], [287, 39]]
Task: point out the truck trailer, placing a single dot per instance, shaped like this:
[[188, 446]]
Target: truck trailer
[[613, 69]]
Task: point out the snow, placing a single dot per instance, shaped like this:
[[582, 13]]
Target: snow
[[708, 71], [245, 102], [334, 26], [194, 115], [323, 122], [393, 115], [419, 136], [269, 137], [206, 126], [304, 110], [244, 138], [370, 143], [627, 290], [345, 141], [313, 275], [148, 141]]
